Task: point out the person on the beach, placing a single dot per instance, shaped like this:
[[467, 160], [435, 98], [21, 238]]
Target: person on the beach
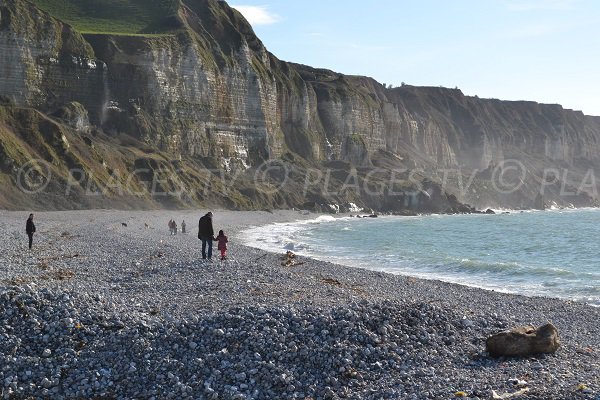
[[30, 229], [183, 226], [222, 246], [173, 227], [206, 234]]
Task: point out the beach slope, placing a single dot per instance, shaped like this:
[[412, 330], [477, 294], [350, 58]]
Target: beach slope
[[109, 305]]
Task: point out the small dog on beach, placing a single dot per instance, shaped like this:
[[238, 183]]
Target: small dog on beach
[[124, 224]]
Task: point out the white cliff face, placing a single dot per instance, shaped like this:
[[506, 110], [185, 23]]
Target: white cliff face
[[16, 67], [24, 51], [45, 64], [200, 109], [344, 119], [191, 94]]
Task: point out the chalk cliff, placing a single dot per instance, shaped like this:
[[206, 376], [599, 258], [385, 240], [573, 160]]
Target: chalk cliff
[[209, 96]]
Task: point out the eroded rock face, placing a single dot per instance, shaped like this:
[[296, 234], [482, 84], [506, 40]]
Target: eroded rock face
[[75, 116], [45, 63], [213, 92], [524, 341]]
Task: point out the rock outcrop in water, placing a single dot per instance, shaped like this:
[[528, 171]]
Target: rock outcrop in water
[[209, 96]]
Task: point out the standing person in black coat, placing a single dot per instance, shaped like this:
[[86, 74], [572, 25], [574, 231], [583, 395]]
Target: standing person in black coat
[[206, 233], [30, 229]]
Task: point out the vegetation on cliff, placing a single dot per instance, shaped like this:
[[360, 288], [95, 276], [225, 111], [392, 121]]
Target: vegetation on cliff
[[115, 16]]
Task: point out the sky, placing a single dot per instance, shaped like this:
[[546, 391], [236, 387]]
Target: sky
[[541, 50]]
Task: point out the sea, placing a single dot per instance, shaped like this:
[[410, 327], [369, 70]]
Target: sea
[[552, 253]]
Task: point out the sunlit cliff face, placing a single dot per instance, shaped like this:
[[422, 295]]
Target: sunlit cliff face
[[212, 91]]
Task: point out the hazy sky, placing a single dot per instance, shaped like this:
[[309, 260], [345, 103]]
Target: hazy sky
[[542, 50]]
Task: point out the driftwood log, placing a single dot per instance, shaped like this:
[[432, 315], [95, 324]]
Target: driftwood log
[[524, 341]]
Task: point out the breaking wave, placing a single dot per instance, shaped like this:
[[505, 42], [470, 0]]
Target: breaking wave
[[550, 254]]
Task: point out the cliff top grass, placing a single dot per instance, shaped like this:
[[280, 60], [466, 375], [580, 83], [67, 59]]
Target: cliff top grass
[[117, 17]]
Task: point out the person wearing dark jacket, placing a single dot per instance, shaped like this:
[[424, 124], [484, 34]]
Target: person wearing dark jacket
[[30, 229], [206, 234]]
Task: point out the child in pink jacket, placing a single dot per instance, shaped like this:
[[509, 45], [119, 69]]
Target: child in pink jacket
[[222, 239]]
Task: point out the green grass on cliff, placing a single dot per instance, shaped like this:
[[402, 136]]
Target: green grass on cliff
[[126, 17]]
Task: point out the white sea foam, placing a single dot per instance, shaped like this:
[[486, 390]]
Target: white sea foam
[[536, 253]]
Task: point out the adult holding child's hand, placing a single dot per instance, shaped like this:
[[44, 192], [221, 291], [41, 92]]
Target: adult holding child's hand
[[206, 233]]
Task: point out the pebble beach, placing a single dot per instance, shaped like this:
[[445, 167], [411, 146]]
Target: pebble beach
[[108, 305]]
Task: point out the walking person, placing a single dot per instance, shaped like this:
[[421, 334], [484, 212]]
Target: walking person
[[222, 246], [30, 229], [173, 227], [206, 234], [183, 226]]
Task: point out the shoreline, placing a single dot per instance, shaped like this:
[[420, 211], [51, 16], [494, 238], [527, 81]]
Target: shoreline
[[127, 282], [326, 218], [243, 221]]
